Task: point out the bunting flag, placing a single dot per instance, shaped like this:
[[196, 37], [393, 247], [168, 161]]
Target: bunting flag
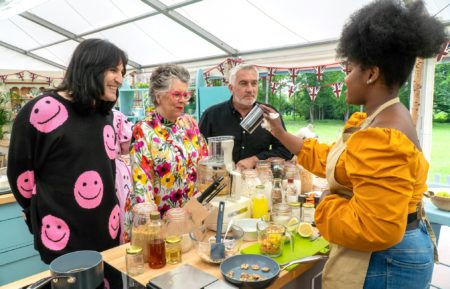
[[270, 73], [293, 72], [337, 88], [319, 71], [20, 75], [292, 89], [313, 91], [344, 67], [275, 85], [206, 76], [445, 49], [221, 68], [33, 76]]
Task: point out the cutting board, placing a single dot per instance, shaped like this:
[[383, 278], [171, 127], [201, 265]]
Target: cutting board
[[303, 247]]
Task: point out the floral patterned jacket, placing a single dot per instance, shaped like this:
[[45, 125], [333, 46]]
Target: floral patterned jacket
[[164, 158]]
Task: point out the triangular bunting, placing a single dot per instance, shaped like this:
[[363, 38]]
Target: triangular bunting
[[319, 71], [337, 88], [313, 91]]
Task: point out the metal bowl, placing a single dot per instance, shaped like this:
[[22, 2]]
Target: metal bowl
[[202, 239]]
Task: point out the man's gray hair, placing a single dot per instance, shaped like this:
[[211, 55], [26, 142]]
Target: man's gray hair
[[240, 67]]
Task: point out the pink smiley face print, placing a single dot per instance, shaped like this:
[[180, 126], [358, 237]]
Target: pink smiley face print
[[114, 222], [25, 184], [54, 233], [88, 190], [48, 114], [109, 140]]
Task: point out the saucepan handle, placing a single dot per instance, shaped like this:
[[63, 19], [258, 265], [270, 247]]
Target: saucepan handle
[[304, 260], [43, 281]]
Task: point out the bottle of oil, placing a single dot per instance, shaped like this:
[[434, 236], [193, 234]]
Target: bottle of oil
[[156, 244]]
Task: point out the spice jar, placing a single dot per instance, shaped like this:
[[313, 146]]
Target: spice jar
[[178, 224], [134, 260], [296, 209], [140, 232], [308, 213], [173, 249]]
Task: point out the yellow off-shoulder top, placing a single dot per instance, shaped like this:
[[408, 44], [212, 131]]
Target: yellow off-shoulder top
[[388, 175]]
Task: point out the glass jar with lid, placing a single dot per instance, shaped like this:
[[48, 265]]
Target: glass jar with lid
[[140, 230], [134, 260], [281, 213], [250, 180], [179, 223], [173, 249]]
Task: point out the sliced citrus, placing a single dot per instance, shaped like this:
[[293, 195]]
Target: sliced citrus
[[305, 230], [292, 224]]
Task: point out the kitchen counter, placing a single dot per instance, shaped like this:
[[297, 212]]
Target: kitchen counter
[[7, 199], [116, 258]]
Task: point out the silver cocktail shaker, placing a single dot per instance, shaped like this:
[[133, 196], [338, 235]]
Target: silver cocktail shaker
[[253, 119]]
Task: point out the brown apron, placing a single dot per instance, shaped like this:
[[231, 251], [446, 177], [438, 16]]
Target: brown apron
[[346, 268]]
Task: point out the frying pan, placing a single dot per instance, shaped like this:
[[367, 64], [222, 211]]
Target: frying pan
[[233, 264], [76, 270]]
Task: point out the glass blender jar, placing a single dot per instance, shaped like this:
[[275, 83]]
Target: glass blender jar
[[219, 163]]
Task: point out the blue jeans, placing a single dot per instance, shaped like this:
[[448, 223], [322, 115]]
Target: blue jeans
[[408, 265]]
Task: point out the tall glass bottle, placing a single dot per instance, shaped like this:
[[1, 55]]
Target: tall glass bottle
[[156, 244], [277, 192], [260, 204], [291, 192]]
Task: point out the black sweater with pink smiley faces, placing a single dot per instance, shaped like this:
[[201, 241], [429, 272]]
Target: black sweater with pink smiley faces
[[61, 170]]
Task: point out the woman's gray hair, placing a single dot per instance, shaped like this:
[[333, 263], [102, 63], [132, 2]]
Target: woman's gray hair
[[163, 76], [240, 67]]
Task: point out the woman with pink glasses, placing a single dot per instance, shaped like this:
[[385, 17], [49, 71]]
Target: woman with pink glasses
[[166, 145]]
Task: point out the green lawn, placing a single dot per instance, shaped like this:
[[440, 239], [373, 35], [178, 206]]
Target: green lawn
[[329, 130]]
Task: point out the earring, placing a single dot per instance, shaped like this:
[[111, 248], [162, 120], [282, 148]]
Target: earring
[[369, 81]]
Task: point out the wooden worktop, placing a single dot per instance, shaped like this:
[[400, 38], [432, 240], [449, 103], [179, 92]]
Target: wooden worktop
[[116, 258], [7, 198]]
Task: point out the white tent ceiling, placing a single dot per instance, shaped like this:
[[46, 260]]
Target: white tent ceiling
[[193, 32]]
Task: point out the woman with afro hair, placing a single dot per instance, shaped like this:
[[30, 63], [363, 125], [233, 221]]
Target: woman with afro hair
[[376, 171]]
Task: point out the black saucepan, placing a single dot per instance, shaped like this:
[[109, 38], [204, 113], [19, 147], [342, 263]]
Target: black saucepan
[[266, 268], [76, 270]]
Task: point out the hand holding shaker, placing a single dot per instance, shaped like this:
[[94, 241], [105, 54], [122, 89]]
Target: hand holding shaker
[[253, 119]]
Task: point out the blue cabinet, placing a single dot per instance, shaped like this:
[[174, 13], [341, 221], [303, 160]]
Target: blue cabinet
[[18, 259], [132, 102]]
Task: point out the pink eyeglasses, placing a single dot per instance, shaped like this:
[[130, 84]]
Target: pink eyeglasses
[[180, 95]]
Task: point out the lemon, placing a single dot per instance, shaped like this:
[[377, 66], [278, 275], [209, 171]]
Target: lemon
[[305, 230], [443, 194], [292, 224]]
